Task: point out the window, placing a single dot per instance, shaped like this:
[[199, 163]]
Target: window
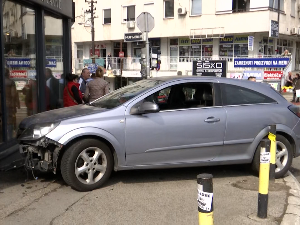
[[169, 8], [106, 16], [266, 46], [274, 4], [129, 13], [181, 96], [240, 5], [293, 6], [235, 95], [196, 8], [79, 51]]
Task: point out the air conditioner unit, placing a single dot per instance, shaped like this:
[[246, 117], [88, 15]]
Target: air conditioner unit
[[130, 24], [294, 30], [117, 72], [181, 11]]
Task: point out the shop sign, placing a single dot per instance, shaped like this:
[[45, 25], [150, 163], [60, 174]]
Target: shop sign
[[258, 74], [184, 41], [195, 41], [236, 75], [130, 37], [61, 6], [208, 41], [250, 43], [121, 54], [18, 62], [227, 39], [273, 75], [217, 68], [18, 74], [97, 52], [261, 62], [50, 62], [241, 39]]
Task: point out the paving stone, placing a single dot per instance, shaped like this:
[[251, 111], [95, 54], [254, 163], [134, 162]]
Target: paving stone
[[293, 209], [294, 200], [290, 219]]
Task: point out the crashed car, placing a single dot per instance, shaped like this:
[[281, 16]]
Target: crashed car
[[222, 122]]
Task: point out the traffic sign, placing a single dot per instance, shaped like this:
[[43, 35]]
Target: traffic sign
[[143, 19], [121, 54]]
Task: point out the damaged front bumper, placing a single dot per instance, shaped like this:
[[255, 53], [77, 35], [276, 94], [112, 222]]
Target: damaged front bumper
[[41, 154]]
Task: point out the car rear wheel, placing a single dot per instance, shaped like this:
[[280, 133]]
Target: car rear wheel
[[87, 164], [284, 157]]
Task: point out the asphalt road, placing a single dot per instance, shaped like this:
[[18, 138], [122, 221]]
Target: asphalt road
[[136, 197]]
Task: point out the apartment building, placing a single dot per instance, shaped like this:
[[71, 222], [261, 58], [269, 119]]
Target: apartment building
[[186, 30]]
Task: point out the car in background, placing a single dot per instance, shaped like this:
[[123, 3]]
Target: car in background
[[221, 122]]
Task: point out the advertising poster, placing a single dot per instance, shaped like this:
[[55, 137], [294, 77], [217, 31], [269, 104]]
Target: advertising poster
[[273, 75], [236, 75], [217, 68]]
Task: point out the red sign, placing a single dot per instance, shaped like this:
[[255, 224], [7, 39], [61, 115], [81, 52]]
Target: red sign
[[121, 54], [18, 74], [97, 52], [273, 75]]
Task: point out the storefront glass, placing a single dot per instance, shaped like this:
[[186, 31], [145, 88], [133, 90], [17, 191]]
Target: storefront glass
[[266, 46], [20, 63], [234, 46], [54, 62], [283, 44]]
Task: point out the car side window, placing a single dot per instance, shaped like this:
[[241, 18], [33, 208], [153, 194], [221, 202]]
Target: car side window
[[182, 96], [235, 95]]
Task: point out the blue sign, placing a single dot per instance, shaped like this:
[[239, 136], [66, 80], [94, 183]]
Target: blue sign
[[18, 62], [253, 73], [261, 62], [50, 62], [250, 43]]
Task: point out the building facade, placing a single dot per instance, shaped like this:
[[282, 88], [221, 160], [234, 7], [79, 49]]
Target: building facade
[[187, 30], [35, 55]]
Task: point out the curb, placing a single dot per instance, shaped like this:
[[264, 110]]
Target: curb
[[292, 214]]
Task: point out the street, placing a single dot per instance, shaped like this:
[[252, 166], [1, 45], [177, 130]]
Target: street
[[135, 197]]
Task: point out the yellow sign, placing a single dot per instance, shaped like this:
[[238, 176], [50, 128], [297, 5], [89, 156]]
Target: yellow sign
[[196, 41], [184, 41], [241, 39]]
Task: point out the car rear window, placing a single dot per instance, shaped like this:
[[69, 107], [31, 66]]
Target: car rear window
[[236, 95]]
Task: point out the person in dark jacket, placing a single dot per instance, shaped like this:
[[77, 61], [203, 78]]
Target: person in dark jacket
[[296, 87], [72, 94]]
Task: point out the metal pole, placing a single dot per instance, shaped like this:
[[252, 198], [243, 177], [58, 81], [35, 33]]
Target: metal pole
[[93, 29], [264, 170], [272, 138], [205, 199], [147, 49], [121, 62]]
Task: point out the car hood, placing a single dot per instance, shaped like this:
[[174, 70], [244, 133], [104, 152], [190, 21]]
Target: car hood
[[58, 115]]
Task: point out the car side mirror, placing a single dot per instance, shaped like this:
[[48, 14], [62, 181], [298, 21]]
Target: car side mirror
[[147, 107]]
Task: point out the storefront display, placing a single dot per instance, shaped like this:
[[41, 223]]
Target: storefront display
[[234, 46]]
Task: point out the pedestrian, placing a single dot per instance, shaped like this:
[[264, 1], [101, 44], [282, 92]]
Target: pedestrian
[[97, 87], [91, 78], [109, 61], [52, 92], [85, 75], [252, 79], [72, 94], [289, 80], [296, 87]]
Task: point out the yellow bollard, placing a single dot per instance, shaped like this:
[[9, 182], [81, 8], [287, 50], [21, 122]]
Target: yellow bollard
[[205, 199], [272, 138]]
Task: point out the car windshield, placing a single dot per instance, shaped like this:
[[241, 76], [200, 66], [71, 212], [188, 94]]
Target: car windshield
[[124, 94]]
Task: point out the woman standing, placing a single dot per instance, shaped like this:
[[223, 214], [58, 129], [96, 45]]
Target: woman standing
[[97, 87], [72, 94]]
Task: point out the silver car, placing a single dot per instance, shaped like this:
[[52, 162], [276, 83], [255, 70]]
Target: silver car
[[203, 121]]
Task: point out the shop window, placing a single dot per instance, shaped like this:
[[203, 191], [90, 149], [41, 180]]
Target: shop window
[[184, 53], [54, 62], [174, 41], [235, 95], [266, 46], [196, 7], [240, 5], [226, 50], [274, 4], [241, 50], [207, 50], [169, 8], [20, 72], [129, 13], [106, 16]]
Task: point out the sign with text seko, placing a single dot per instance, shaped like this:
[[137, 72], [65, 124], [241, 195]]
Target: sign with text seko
[[261, 62], [217, 68]]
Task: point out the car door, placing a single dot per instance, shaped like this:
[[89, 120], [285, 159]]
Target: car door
[[178, 134]]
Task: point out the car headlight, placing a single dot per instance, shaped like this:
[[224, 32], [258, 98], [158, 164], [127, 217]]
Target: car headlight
[[37, 131]]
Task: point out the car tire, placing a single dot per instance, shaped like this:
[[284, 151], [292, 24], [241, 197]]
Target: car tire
[[87, 164], [284, 157]]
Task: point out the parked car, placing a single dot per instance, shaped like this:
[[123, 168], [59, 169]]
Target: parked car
[[222, 122]]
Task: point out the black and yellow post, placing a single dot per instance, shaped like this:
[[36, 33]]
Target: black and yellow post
[[205, 199], [264, 172], [272, 138]]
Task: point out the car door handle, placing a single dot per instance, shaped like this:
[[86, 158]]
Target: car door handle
[[212, 120]]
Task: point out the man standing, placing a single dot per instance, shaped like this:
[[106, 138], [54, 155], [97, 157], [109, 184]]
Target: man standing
[[296, 87], [85, 75], [108, 61]]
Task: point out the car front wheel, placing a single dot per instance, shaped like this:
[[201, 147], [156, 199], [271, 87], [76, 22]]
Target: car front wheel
[[284, 157], [86, 164]]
